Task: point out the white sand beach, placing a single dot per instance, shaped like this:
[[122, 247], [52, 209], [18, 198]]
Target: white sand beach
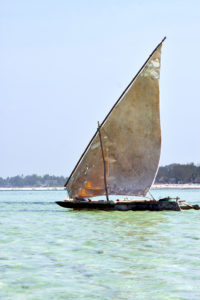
[[154, 187], [32, 188], [176, 186]]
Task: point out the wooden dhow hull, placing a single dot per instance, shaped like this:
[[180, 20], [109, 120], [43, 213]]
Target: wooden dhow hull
[[151, 205]]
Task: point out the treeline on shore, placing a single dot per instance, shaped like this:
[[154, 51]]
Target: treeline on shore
[[179, 174], [172, 174], [33, 181]]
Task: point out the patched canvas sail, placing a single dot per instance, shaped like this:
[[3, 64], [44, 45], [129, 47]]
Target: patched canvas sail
[[131, 140]]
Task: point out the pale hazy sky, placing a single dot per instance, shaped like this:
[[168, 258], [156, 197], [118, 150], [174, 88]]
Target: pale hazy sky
[[64, 64]]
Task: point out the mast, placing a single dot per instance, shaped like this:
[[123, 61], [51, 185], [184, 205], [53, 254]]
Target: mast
[[104, 163]]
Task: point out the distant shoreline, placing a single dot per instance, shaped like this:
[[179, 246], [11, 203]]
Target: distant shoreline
[[154, 187], [59, 188], [175, 186]]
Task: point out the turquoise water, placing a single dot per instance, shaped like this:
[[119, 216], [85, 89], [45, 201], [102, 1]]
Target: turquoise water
[[48, 252]]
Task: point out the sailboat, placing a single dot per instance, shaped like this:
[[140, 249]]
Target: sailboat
[[122, 157]]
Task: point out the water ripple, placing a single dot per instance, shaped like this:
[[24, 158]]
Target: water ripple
[[47, 252]]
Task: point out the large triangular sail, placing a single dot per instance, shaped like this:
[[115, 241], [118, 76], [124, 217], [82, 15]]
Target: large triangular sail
[[131, 140]]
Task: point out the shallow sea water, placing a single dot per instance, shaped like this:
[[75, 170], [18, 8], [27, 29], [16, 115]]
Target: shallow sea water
[[48, 252]]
